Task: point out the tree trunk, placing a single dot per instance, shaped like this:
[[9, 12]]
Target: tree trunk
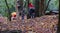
[[41, 7], [58, 26], [28, 16], [37, 8], [9, 16]]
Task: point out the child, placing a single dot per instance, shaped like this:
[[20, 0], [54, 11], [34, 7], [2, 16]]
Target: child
[[31, 10]]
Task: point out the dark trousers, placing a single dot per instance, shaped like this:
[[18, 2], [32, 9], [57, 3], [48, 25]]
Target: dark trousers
[[32, 15]]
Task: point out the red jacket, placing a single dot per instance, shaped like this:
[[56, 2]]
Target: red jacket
[[31, 5]]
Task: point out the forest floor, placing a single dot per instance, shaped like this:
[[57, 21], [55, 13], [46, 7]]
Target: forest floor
[[43, 24]]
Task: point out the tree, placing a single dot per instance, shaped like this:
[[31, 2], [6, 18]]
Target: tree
[[52, 5], [9, 16], [41, 8], [37, 8], [4, 9], [47, 5]]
